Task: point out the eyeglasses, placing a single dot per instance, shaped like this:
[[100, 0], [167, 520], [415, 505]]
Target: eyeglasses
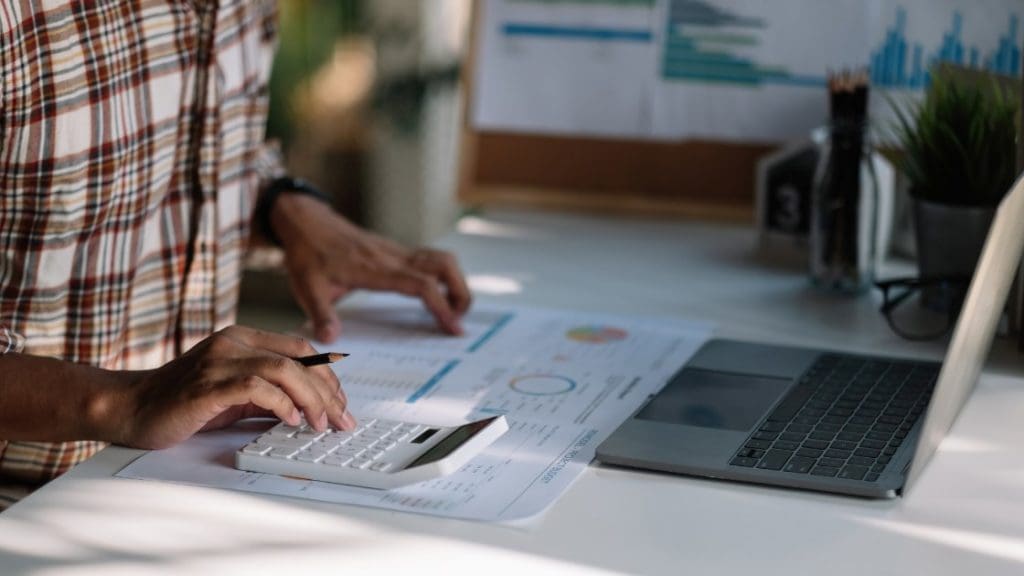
[[938, 305]]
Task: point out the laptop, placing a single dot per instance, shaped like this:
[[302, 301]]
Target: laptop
[[822, 420]]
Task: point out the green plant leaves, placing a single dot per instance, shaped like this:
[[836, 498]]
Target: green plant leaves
[[960, 142]]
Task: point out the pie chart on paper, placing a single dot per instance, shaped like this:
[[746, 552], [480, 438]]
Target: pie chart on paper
[[596, 334], [542, 385]]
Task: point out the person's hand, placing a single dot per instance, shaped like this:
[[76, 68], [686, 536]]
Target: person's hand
[[236, 373], [327, 257]]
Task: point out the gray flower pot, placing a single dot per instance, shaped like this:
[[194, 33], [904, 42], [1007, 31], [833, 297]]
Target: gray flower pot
[[949, 241]]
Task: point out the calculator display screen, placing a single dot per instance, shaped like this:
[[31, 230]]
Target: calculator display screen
[[451, 442]]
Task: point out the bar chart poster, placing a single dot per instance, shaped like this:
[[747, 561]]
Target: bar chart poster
[[728, 70], [752, 70], [744, 44], [910, 37]]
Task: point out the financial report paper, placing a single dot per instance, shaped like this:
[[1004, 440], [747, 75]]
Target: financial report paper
[[563, 380]]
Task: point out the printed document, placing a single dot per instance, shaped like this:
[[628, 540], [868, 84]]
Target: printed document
[[563, 380]]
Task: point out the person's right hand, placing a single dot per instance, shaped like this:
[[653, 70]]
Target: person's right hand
[[236, 373]]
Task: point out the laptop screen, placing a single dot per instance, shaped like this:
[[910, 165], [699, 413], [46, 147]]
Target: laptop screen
[[976, 328]]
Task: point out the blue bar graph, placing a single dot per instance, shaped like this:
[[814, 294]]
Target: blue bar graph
[[703, 44], [501, 323], [578, 32], [898, 64], [432, 383], [1006, 59]]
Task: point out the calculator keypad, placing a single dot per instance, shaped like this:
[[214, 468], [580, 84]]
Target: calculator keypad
[[366, 447]]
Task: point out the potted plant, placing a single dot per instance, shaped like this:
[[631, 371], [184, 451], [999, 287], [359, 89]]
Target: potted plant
[[960, 158]]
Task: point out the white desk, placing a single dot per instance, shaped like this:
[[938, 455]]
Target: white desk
[[965, 517]]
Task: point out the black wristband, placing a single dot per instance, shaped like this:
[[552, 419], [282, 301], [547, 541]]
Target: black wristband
[[269, 195]]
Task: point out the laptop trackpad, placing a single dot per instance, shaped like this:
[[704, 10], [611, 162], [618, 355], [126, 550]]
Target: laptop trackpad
[[711, 399]]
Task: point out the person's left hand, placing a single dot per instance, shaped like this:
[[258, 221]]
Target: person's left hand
[[327, 257]]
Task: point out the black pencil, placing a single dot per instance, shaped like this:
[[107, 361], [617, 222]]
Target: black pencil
[[321, 359]]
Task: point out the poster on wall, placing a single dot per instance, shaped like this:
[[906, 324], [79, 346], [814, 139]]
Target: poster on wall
[[731, 70]]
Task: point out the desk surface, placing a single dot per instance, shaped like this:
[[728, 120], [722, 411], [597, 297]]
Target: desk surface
[[966, 516]]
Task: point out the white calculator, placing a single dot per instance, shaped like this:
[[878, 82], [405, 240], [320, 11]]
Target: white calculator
[[378, 454]]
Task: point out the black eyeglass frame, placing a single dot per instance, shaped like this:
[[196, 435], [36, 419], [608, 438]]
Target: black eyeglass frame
[[911, 286]]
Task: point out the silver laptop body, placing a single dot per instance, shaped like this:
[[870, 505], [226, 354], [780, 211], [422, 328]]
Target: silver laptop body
[[731, 394]]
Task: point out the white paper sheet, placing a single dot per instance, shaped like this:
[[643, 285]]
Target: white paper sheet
[[563, 380]]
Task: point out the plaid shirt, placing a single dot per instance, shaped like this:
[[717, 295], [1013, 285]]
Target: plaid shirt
[[130, 157]]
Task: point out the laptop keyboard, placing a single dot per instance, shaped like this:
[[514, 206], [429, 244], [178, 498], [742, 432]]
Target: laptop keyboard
[[845, 418]]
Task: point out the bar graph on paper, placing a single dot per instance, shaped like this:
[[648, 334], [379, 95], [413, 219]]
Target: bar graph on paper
[[904, 62], [396, 383], [608, 28], [708, 42], [748, 70]]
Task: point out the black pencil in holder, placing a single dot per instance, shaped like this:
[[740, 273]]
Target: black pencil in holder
[[844, 211], [844, 204]]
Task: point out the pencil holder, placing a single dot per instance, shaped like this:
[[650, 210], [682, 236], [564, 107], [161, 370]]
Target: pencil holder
[[844, 212]]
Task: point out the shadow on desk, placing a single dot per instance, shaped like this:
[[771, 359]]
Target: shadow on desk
[[611, 520]]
